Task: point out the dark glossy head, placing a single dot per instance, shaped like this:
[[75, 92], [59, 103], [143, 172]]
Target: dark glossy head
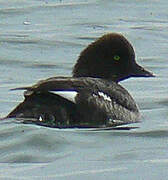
[[110, 57]]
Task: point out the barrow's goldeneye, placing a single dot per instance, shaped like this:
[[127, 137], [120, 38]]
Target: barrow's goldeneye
[[99, 101]]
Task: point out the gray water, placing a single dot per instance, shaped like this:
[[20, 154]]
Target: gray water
[[43, 38]]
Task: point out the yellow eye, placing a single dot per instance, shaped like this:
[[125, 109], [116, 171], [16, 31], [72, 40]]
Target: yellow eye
[[116, 58]]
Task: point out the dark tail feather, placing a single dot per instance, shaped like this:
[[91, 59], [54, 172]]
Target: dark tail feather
[[46, 108], [21, 88]]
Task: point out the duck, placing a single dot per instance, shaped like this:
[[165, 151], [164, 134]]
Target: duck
[[92, 97]]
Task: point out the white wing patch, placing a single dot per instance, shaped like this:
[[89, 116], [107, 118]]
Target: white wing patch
[[40, 118], [105, 96], [70, 95]]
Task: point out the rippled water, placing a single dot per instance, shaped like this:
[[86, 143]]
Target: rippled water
[[43, 38]]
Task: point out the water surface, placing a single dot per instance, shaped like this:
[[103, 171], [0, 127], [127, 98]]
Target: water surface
[[43, 38]]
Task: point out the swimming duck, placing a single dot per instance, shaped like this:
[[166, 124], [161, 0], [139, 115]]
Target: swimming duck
[[98, 100]]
